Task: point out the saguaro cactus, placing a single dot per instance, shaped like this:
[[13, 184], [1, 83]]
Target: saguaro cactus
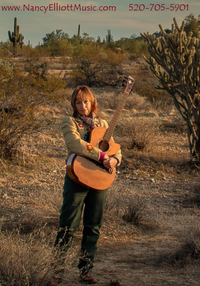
[[98, 40], [109, 37], [79, 29], [175, 60], [16, 37], [21, 43]]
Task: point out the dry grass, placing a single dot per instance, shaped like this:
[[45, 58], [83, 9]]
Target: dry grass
[[187, 252], [134, 103], [136, 133], [32, 260], [135, 211], [25, 260], [174, 126]]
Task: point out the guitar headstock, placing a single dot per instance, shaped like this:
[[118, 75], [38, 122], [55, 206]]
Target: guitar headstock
[[128, 82]]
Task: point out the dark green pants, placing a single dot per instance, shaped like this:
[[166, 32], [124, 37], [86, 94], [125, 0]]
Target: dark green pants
[[74, 197]]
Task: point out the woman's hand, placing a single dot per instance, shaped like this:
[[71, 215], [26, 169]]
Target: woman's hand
[[109, 163]]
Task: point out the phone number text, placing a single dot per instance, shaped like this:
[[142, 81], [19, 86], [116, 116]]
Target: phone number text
[[159, 7]]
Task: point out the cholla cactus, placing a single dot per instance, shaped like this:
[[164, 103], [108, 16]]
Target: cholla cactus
[[16, 37], [175, 60]]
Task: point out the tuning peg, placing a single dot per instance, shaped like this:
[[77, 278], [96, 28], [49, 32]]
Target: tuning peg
[[124, 82], [128, 81]]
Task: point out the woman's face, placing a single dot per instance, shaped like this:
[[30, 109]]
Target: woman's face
[[83, 106]]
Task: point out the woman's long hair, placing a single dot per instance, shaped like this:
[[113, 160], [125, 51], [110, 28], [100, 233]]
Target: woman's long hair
[[83, 92]]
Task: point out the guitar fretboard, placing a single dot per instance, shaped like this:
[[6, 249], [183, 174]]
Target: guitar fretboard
[[115, 118]]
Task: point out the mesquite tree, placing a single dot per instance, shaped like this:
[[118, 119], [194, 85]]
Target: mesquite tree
[[175, 60]]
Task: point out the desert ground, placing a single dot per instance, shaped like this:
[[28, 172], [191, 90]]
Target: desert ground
[[150, 232]]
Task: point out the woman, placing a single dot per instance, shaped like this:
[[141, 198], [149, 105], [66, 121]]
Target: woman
[[75, 131]]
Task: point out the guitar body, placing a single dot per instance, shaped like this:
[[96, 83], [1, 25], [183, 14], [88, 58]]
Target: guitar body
[[89, 173]]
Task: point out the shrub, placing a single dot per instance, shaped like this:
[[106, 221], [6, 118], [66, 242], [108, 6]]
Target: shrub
[[131, 45], [114, 201], [131, 208], [59, 47], [137, 134], [178, 126], [188, 251], [6, 49], [144, 86], [141, 132], [20, 95], [96, 68], [135, 211], [134, 102], [25, 260], [32, 53]]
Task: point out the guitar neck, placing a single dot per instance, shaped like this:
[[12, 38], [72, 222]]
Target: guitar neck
[[115, 118]]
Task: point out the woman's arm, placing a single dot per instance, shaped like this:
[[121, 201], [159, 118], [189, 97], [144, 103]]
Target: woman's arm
[[74, 142]]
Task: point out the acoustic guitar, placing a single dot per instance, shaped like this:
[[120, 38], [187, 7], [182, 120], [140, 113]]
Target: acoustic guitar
[[92, 174]]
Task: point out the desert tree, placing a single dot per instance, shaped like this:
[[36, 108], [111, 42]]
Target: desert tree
[[57, 43], [175, 59], [192, 24]]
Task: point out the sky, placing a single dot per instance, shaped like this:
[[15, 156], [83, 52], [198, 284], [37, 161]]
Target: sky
[[123, 17]]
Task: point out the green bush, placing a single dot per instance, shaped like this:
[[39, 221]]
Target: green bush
[[58, 47], [128, 45]]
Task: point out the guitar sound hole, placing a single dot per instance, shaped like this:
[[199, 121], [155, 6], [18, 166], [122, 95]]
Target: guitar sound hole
[[104, 145]]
